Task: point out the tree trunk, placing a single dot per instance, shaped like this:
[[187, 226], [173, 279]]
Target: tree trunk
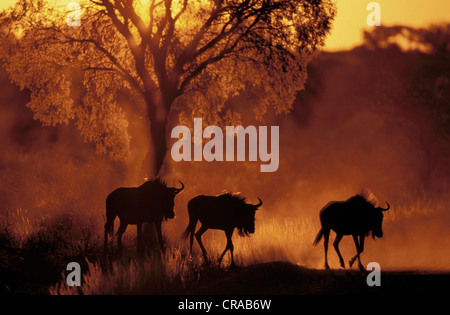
[[158, 108], [159, 145], [157, 112]]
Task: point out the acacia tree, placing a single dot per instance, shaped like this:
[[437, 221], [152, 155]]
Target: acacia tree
[[194, 55]]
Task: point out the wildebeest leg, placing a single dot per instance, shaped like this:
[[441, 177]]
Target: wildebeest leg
[[229, 234], [198, 236], [336, 247], [191, 242], [120, 231], [352, 260], [326, 237], [160, 238], [139, 239], [359, 250], [107, 227]]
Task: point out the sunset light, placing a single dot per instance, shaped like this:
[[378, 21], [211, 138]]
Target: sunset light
[[351, 18], [350, 21], [195, 151]]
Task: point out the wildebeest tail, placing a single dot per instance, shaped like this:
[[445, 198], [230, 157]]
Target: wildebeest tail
[[111, 214], [189, 230], [318, 237], [192, 221], [109, 228]]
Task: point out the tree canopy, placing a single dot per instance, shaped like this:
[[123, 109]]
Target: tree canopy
[[433, 39], [194, 55]]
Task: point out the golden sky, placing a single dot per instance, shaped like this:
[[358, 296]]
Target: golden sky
[[351, 17]]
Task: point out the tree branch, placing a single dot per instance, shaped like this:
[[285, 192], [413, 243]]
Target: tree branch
[[127, 10], [120, 69], [227, 50], [138, 51]]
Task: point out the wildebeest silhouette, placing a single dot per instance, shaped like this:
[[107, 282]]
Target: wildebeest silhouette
[[224, 212], [356, 216], [152, 202]]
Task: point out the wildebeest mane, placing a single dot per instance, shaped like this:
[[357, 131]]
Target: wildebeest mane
[[365, 197], [155, 183], [234, 197], [159, 189], [238, 202]]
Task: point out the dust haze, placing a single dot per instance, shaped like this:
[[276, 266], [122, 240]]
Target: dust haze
[[367, 120]]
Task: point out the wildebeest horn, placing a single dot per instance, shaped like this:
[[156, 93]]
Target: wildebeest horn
[[388, 206], [259, 204], [179, 189]]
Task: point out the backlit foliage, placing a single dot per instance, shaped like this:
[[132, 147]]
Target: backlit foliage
[[195, 55]]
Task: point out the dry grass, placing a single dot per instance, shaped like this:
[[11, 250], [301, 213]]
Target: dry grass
[[288, 240], [20, 224], [58, 242], [275, 239]]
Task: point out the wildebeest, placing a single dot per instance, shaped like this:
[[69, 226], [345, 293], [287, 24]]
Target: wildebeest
[[152, 202], [356, 216], [224, 212]]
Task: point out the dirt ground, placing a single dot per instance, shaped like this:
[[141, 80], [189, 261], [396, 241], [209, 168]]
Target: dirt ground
[[282, 278]]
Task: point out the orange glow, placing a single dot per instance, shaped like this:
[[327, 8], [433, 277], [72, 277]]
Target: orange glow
[[375, 119], [6, 3], [350, 21], [351, 18]]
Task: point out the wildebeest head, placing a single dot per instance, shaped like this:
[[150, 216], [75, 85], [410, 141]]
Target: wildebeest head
[[377, 220], [245, 214], [373, 215], [163, 196]]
